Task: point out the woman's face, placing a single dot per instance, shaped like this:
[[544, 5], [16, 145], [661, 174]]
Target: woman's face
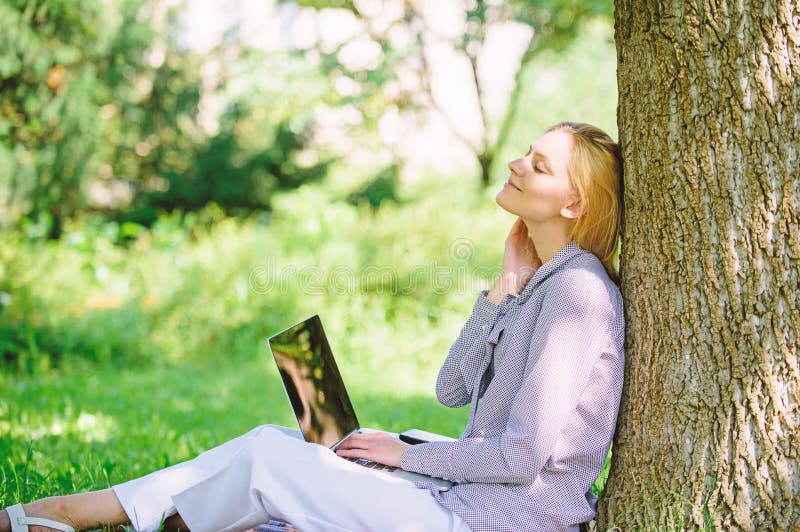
[[538, 188]]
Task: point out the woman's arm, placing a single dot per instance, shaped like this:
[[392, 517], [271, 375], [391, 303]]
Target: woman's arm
[[577, 327], [465, 361], [460, 369]]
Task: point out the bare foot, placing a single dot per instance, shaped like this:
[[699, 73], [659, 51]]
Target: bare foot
[[81, 511], [49, 508]]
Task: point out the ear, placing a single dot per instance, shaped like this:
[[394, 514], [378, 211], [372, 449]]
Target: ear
[[572, 210]]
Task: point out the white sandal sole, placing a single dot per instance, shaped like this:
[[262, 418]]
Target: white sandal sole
[[20, 522]]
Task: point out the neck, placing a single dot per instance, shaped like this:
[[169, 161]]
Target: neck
[[548, 238]]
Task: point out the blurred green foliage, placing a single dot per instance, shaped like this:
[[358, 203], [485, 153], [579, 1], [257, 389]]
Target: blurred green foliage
[[118, 320], [49, 127], [98, 96], [204, 285], [101, 108], [170, 277]]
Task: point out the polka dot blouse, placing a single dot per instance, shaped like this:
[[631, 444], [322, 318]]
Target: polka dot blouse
[[542, 375]]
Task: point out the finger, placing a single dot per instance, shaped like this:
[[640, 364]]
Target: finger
[[352, 453], [521, 230], [363, 435], [347, 444], [369, 437], [354, 437]]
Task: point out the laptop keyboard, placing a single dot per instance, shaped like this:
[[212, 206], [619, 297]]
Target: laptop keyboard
[[370, 464]]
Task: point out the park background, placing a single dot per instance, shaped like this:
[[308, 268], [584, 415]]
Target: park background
[[179, 180]]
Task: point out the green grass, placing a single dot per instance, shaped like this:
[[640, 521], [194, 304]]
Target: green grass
[[670, 511], [91, 429]]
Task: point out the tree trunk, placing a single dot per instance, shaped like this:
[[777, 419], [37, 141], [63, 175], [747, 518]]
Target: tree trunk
[[709, 122], [485, 161]]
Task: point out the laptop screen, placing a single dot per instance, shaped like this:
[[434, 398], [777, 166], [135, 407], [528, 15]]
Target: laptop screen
[[313, 383]]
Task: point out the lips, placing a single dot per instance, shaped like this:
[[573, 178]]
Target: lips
[[509, 183]]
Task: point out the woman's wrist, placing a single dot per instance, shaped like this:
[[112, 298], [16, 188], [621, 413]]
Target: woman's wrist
[[506, 283]]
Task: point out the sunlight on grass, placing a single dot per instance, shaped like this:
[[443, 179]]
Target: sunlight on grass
[[86, 427]]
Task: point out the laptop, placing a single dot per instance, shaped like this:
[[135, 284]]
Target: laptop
[[318, 396]]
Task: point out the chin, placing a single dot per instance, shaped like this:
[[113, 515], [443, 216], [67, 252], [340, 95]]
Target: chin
[[501, 200]]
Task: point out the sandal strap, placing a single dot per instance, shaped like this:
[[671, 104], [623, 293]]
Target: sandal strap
[[20, 521]]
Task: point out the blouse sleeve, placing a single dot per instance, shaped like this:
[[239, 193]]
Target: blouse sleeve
[[461, 367], [573, 330]]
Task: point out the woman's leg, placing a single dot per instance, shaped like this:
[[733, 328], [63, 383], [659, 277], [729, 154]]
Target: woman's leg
[[278, 477], [149, 500], [95, 508], [84, 511], [80, 511], [263, 474]]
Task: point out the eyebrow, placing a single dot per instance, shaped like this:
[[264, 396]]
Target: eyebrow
[[540, 156]]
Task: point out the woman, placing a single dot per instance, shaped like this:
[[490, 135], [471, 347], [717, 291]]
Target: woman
[[540, 361]]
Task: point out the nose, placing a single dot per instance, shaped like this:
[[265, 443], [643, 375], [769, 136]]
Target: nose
[[514, 166]]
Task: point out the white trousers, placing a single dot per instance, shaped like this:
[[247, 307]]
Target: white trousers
[[271, 473]]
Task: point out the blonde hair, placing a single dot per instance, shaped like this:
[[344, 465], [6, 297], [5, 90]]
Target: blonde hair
[[595, 172]]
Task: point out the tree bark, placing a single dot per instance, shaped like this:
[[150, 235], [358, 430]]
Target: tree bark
[[709, 123]]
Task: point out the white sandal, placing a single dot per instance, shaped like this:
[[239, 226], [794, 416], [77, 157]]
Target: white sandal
[[20, 521]]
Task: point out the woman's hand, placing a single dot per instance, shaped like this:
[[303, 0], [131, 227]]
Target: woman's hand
[[520, 262], [376, 446]]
